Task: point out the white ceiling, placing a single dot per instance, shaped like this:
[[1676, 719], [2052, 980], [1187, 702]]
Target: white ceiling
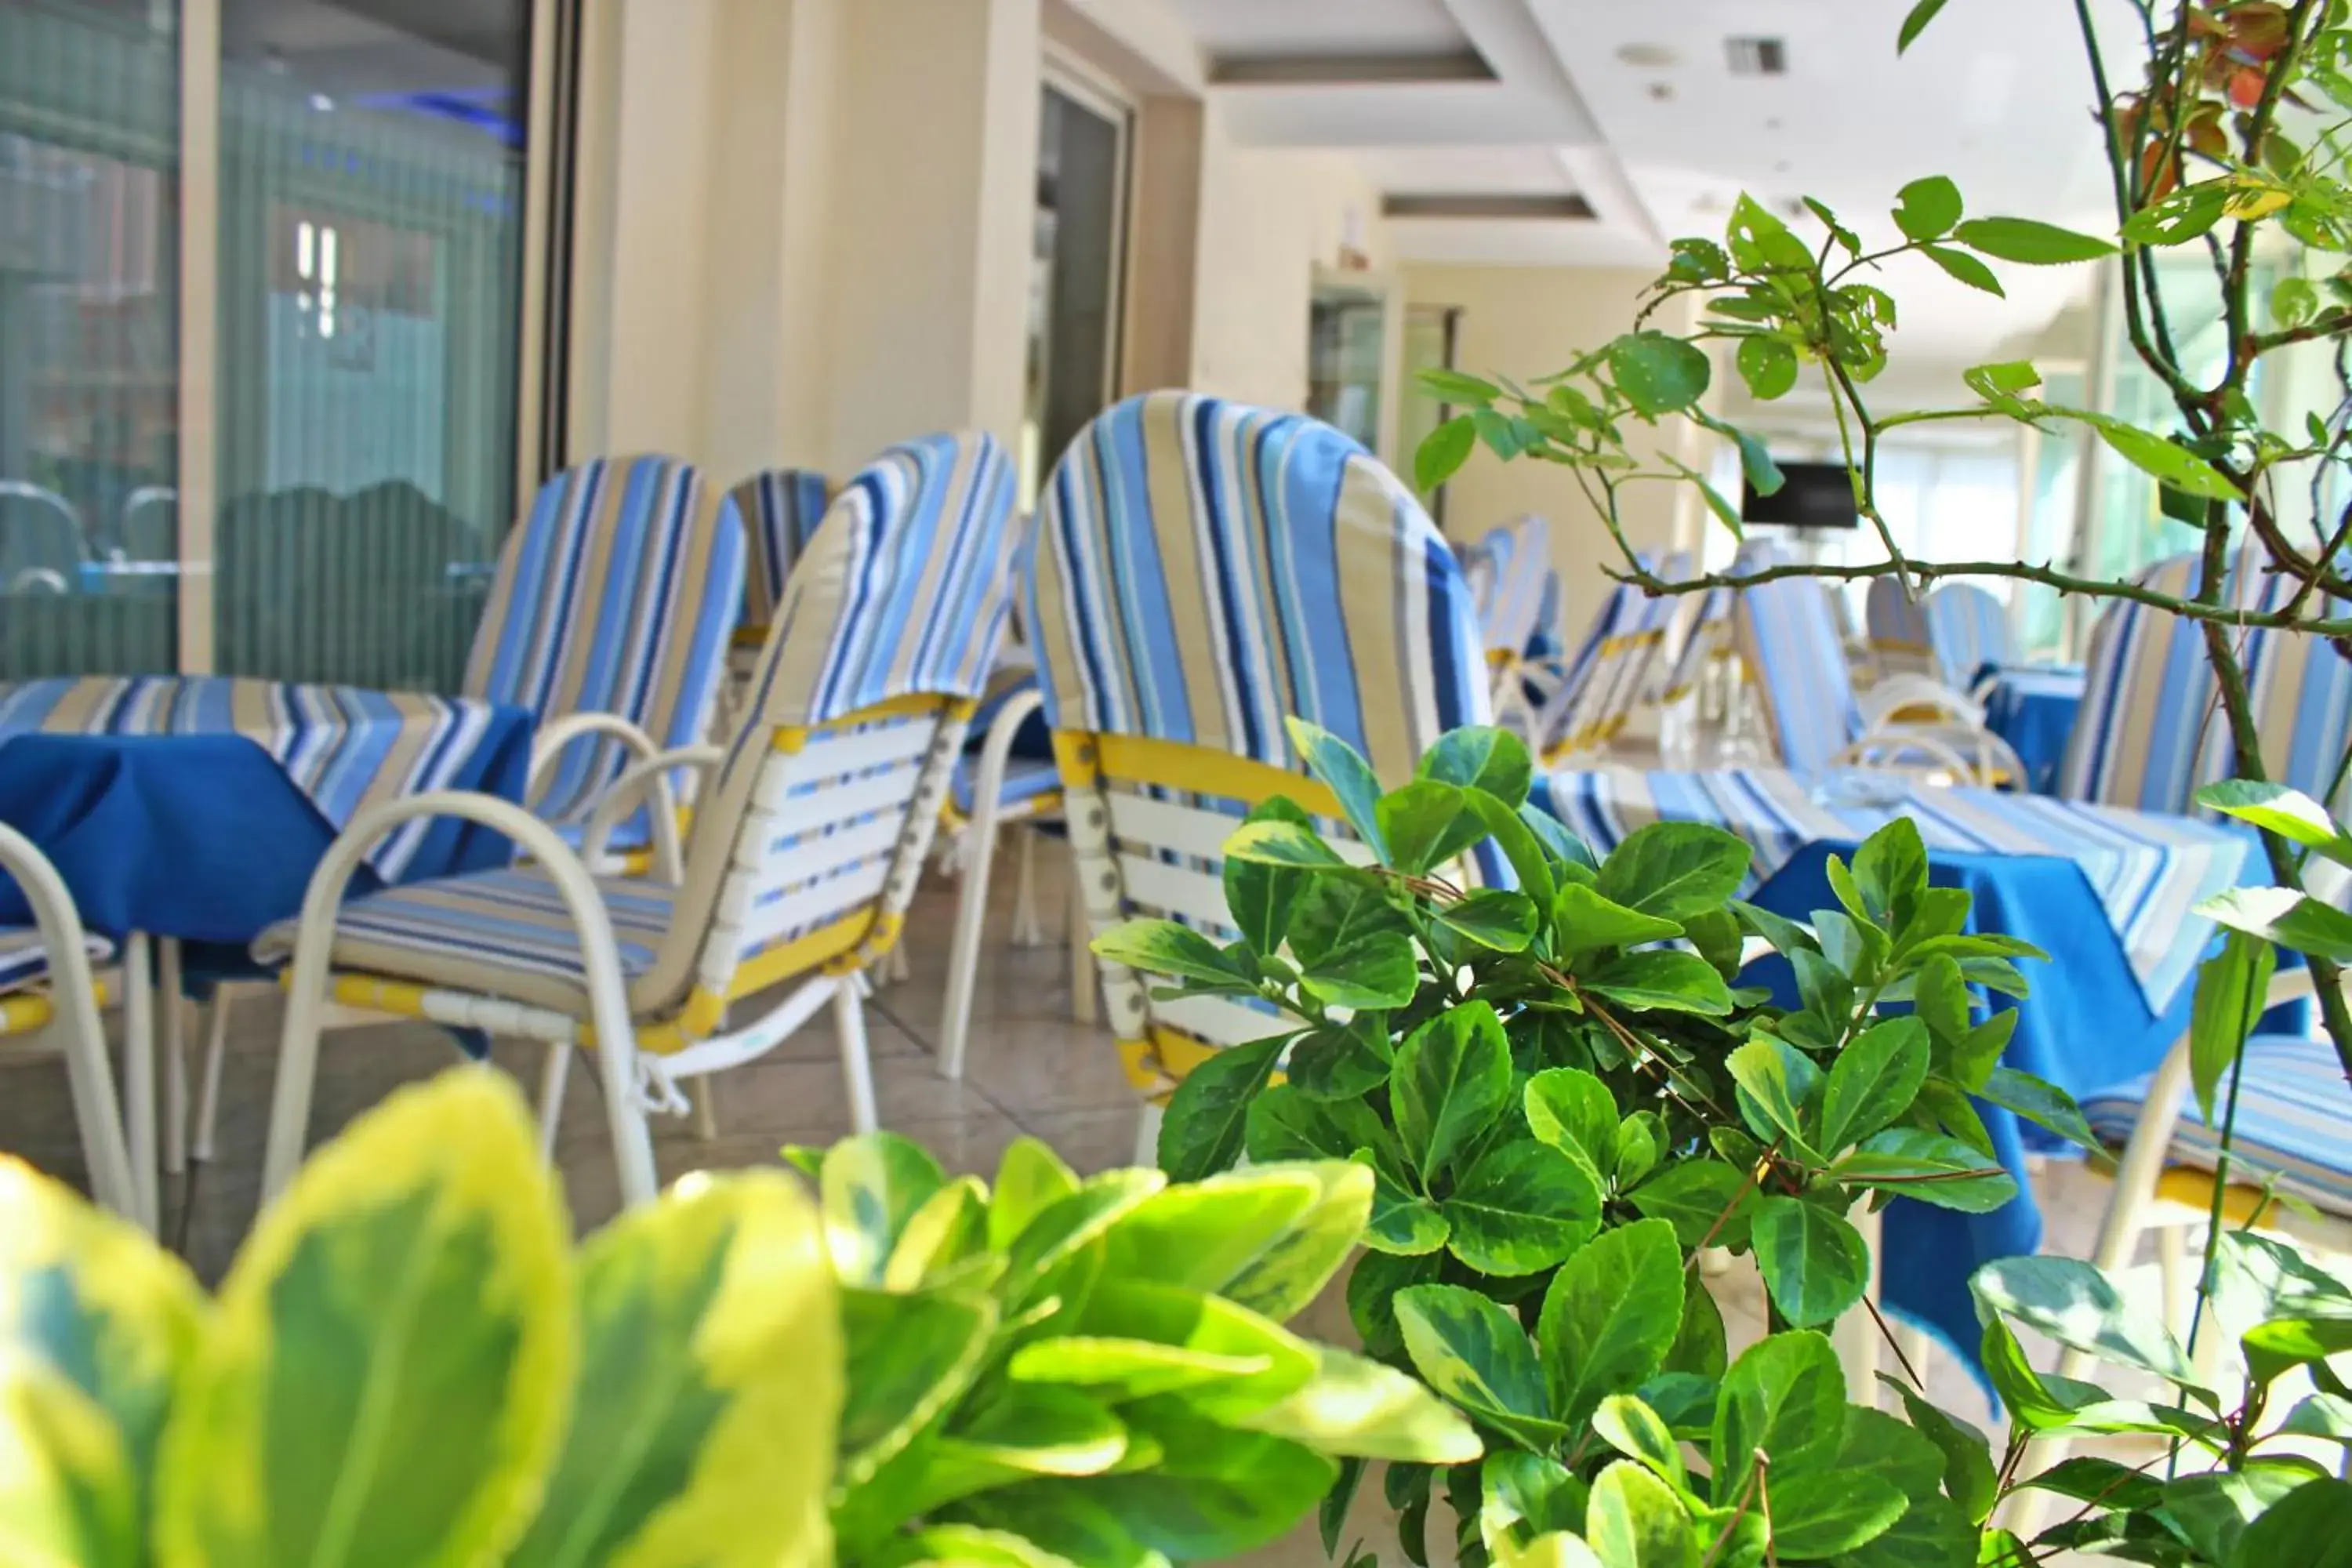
[[1995, 96]]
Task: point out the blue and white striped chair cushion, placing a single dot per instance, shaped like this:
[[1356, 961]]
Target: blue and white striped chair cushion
[[1204, 569], [25, 960], [1967, 628], [780, 510], [499, 933], [1788, 636], [2295, 1120], [1895, 619], [618, 594]]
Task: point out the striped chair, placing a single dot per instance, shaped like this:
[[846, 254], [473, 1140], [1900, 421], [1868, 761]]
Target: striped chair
[[1612, 673], [1788, 637], [61, 1016], [803, 855], [609, 618], [42, 546], [2151, 734], [1202, 570], [1900, 642], [1969, 629], [780, 510]]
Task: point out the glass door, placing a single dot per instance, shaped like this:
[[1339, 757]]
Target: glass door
[[1346, 354], [1077, 265]]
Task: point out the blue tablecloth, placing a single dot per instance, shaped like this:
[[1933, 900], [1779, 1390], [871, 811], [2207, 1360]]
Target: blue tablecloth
[[2033, 708], [205, 836]]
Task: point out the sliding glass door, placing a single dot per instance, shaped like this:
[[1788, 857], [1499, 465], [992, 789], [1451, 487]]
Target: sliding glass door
[[356, 178], [1078, 260]]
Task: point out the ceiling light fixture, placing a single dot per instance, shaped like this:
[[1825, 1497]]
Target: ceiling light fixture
[[1758, 57], [1649, 56]]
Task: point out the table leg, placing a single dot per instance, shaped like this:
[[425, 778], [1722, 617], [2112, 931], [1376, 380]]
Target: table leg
[[139, 1075], [175, 1056]]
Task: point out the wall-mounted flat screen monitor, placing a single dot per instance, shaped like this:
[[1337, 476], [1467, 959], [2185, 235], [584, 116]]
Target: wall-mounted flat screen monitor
[[1816, 495]]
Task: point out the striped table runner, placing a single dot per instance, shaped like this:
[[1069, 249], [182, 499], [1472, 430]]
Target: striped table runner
[[2148, 871], [344, 747]]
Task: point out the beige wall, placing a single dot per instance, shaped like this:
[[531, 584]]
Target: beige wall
[[776, 263], [1267, 219], [1527, 322]]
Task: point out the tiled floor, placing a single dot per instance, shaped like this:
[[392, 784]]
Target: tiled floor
[[1031, 1069]]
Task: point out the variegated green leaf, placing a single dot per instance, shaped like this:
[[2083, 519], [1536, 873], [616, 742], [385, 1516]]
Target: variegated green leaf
[[872, 1185], [1163, 1315], [709, 1387], [1355, 1406], [1199, 1236], [67, 1494], [101, 1303], [909, 1357], [948, 1230], [388, 1371], [1285, 1276], [1030, 1176]]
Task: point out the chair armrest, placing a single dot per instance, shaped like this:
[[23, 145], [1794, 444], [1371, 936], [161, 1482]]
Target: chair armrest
[[1896, 693], [608, 1004], [650, 776], [551, 741]]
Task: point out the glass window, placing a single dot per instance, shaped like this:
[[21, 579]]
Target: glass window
[[372, 196], [88, 336], [1347, 340], [1074, 297]]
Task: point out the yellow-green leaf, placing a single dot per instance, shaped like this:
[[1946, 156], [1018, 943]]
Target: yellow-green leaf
[[1356, 1406], [67, 1494], [391, 1363], [1029, 1177], [872, 1185], [709, 1387], [109, 1311]]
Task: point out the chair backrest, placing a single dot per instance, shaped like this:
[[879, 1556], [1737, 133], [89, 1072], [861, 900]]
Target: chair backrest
[[1203, 568], [1787, 632], [780, 510], [1969, 629], [1551, 638], [1900, 641], [41, 543], [1604, 682], [806, 847], [617, 594], [1706, 633], [2151, 730], [149, 528], [1514, 613]]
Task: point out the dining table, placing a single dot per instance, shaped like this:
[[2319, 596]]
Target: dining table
[[186, 813], [2033, 708], [2108, 894]]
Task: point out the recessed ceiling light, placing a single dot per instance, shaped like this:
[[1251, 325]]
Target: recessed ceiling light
[[1649, 56]]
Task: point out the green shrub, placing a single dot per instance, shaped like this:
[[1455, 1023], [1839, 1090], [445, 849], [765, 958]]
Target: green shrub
[[1558, 1110]]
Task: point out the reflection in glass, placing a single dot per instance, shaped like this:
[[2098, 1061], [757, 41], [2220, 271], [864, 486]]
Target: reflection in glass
[[1074, 277], [88, 341], [1346, 344], [371, 229]]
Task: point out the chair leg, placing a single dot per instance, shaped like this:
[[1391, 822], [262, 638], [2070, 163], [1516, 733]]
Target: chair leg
[[963, 947], [1082, 952], [705, 1108], [209, 1082], [554, 1075], [2171, 1270], [175, 1056], [1856, 1334], [98, 1115], [1147, 1133], [1026, 930], [857, 1068], [139, 1074]]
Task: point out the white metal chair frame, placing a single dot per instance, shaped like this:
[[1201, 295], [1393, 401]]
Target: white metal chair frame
[[631, 1078], [71, 1029]]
